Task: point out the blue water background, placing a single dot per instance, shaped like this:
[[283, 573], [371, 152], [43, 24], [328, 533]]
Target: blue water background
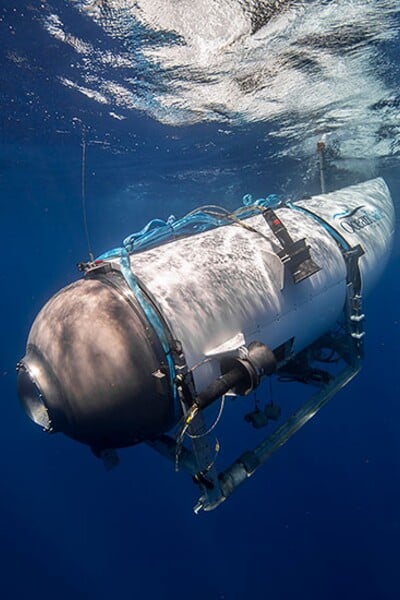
[[320, 521]]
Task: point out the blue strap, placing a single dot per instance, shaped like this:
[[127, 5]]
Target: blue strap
[[158, 232], [152, 317], [341, 241]]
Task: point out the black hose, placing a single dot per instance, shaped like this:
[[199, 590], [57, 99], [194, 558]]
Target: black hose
[[221, 386]]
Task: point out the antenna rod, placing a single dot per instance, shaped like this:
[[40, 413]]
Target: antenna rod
[[84, 215], [321, 155]]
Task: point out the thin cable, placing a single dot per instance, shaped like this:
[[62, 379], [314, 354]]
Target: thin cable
[[187, 419], [196, 436], [212, 209], [83, 181], [234, 219], [202, 362]]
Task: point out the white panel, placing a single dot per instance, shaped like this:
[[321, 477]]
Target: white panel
[[213, 285]]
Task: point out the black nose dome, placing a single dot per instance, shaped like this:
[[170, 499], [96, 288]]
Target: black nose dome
[[94, 368]]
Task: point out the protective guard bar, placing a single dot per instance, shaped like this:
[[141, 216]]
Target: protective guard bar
[[251, 460], [350, 349]]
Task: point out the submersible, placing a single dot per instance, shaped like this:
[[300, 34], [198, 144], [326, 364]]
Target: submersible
[[190, 311]]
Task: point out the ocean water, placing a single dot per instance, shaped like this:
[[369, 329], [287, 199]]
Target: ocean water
[[185, 103]]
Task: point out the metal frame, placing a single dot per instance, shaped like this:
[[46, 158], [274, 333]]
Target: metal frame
[[199, 460]]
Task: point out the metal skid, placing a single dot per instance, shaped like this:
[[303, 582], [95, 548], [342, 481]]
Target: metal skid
[[346, 345]]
